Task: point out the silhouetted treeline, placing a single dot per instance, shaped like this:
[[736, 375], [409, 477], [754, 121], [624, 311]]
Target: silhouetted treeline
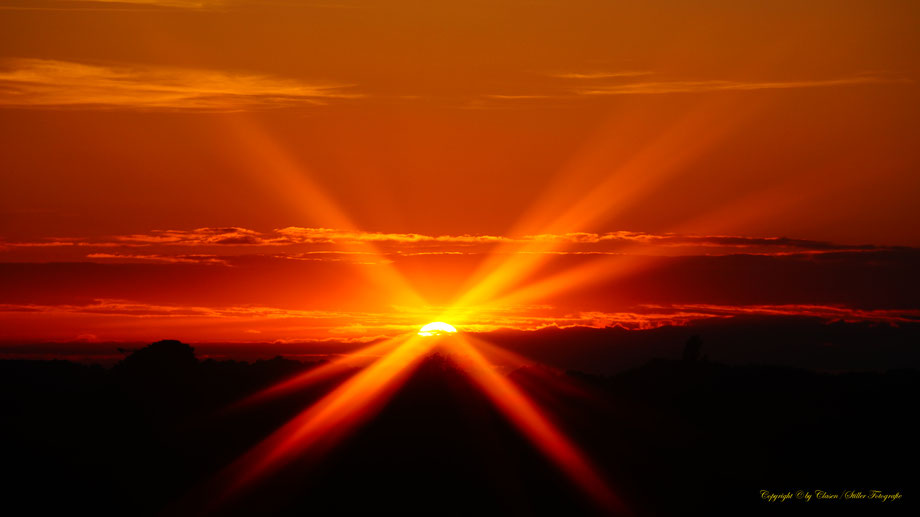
[[795, 341], [681, 436]]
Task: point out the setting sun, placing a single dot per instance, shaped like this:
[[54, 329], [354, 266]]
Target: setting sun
[[437, 328]]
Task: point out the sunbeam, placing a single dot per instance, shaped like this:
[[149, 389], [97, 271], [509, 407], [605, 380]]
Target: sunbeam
[[594, 188], [292, 181], [314, 375], [530, 420], [336, 414], [330, 418]]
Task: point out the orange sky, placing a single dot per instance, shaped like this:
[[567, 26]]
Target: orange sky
[[221, 135]]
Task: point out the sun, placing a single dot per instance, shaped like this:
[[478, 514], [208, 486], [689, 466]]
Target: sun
[[437, 328]]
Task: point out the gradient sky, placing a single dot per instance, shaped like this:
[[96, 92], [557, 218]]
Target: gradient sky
[[308, 169]]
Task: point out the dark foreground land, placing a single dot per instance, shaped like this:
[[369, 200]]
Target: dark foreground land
[[674, 437]]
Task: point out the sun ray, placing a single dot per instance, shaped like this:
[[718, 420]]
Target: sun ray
[[547, 376], [580, 201], [320, 373], [524, 414], [293, 182], [605, 268], [328, 420]]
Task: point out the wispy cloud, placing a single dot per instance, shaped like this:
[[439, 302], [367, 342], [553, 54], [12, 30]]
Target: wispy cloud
[[295, 234], [138, 5], [325, 235], [169, 259], [601, 74], [824, 312], [187, 4], [663, 87], [179, 4], [417, 243], [590, 84], [41, 83], [201, 236], [518, 97], [138, 309], [111, 5], [350, 257]]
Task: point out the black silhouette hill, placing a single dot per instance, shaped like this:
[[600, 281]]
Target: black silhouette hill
[[681, 436]]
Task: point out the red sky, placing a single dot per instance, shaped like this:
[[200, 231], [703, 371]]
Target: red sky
[[239, 171]]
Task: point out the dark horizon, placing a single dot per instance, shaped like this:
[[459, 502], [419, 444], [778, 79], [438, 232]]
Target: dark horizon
[[164, 433]]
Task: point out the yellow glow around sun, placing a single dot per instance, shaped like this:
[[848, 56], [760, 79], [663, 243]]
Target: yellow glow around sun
[[437, 328]]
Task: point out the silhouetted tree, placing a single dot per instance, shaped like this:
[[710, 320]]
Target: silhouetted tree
[[162, 379], [168, 357]]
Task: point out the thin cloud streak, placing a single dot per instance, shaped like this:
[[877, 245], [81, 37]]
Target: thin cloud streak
[[601, 75], [43, 83], [114, 5], [146, 5], [187, 4], [200, 236], [664, 87], [127, 308], [594, 85], [824, 312], [169, 259], [326, 235], [416, 243]]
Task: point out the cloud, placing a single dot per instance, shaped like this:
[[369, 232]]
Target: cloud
[[670, 239], [663, 87], [199, 236], [298, 234], [42, 83], [824, 312], [170, 259], [592, 319], [127, 308], [646, 317], [518, 97], [590, 84], [579, 243], [137, 5], [601, 75], [350, 257], [112, 5], [186, 4], [294, 234]]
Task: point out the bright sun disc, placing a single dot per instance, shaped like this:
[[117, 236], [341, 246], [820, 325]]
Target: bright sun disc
[[437, 328]]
